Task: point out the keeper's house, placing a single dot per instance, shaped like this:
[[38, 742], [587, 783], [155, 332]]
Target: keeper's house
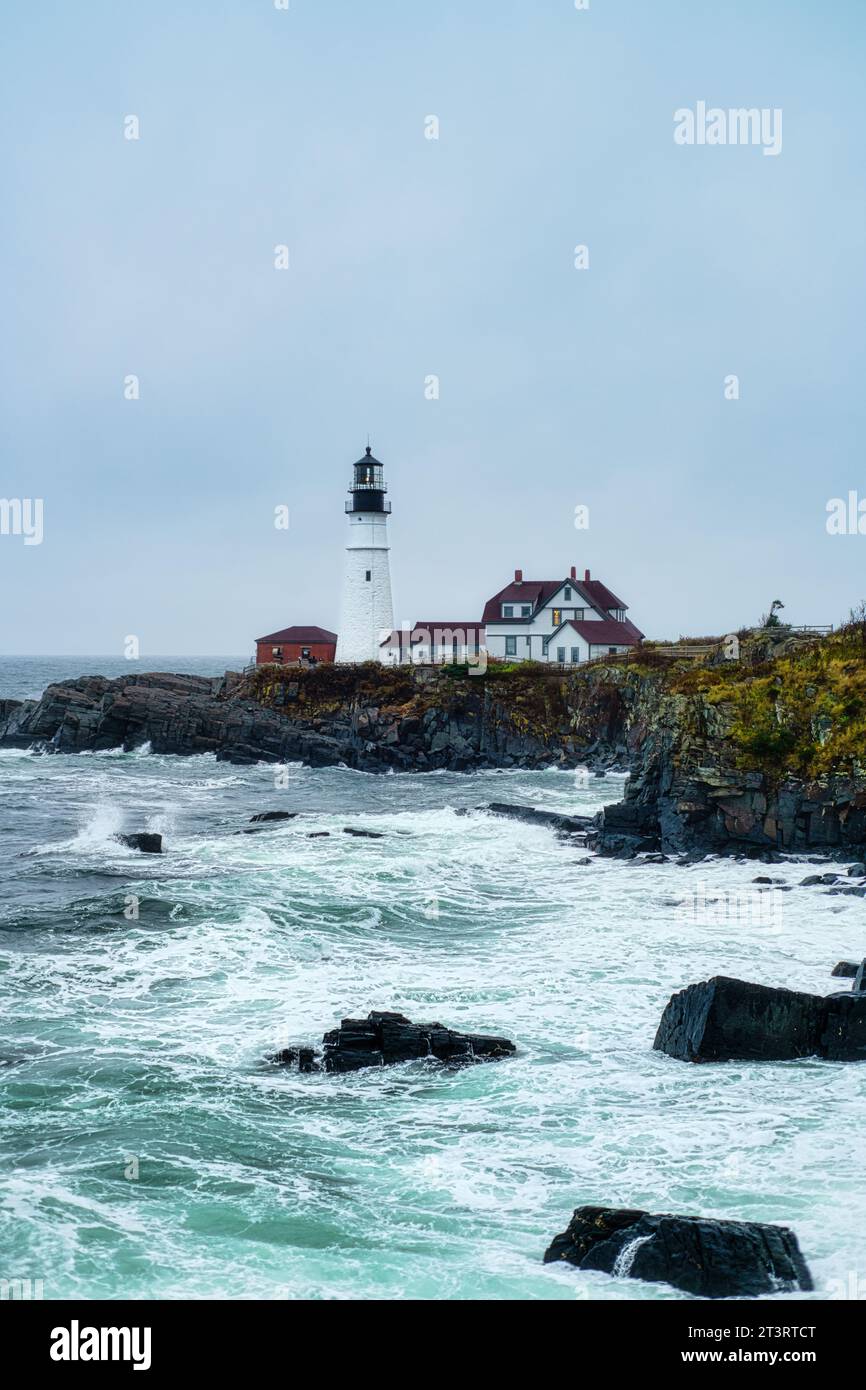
[[563, 621], [293, 645]]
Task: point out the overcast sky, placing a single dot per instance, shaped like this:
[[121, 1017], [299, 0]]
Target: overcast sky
[[411, 257]]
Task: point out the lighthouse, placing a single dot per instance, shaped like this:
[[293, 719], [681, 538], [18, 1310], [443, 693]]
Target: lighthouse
[[367, 616]]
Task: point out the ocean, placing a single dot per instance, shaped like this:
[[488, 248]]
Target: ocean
[[151, 1151]]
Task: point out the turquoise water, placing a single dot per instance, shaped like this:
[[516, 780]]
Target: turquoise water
[[150, 1151]]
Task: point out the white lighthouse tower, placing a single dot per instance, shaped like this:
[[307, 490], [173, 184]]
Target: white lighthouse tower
[[367, 616]]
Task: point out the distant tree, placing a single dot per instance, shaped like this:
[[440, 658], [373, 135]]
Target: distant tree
[[772, 619]]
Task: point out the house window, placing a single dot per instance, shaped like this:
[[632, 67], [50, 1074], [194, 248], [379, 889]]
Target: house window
[[508, 610], [560, 654], [567, 594], [511, 646], [611, 651], [579, 615], [557, 617], [525, 610], [529, 644], [277, 653], [575, 655], [368, 575]]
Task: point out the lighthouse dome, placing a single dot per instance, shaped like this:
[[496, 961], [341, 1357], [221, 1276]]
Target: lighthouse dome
[[367, 492]]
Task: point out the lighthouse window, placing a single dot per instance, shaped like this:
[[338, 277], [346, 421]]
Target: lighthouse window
[[368, 575]]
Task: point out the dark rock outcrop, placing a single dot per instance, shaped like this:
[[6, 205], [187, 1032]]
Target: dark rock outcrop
[[722, 1020], [382, 1039], [568, 825], [422, 724], [145, 841], [691, 787], [272, 815], [846, 969], [707, 1258]]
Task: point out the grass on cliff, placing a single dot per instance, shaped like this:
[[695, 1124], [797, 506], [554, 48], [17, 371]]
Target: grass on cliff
[[526, 696], [801, 712]]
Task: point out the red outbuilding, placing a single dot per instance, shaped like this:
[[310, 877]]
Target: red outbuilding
[[296, 644]]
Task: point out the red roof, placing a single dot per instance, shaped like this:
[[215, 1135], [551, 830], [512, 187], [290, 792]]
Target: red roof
[[538, 592], [535, 592], [301, 634], [601, 595], [603, 632]]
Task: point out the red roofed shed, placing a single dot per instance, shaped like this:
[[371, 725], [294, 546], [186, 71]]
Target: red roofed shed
[[293, 644]]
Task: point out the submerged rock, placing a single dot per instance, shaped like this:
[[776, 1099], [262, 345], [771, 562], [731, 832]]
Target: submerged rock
[[382, 1039], [569, 825], [272, 815], [704, 1257], [722, 1020], [363, 834], [145, 841]]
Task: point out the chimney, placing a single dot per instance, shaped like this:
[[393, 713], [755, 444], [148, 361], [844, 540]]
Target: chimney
[[574, 571], [585, 576], [518, 576]]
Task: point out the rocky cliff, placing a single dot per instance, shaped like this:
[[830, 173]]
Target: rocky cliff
[[760, 754], [757, 753], [372, 718]]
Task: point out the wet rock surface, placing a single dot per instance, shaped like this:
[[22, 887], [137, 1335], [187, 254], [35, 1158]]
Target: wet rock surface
[[456, 727], [383, 1039], [145, 841], [707, 1258], [554, 820], [722, 1020]]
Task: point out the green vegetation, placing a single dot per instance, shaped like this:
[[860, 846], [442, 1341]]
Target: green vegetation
[[788, 704], [801, 712]]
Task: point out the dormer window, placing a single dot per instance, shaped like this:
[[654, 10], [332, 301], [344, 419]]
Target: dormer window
[[525, 610], [508, 610]]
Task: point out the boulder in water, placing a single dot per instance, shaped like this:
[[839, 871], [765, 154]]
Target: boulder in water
[[382, 1039], [272, 815], [722, 1020], [704, 1257], [145, 841]]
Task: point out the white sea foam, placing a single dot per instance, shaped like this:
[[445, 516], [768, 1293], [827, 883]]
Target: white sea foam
[[150, 1032]]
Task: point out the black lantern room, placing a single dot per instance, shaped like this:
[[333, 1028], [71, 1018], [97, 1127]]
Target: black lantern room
[[367, 493]]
